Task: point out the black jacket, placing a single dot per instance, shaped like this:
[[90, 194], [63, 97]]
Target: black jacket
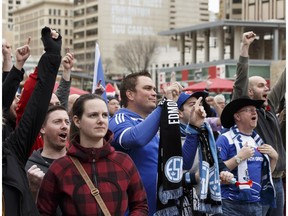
[[9, 89], [16, 147]]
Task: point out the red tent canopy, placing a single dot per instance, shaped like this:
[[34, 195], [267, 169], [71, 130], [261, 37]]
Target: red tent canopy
[[110, 88], [73, 90], [218, 85]]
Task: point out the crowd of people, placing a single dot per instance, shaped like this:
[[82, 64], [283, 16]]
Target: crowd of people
[[68, 154]]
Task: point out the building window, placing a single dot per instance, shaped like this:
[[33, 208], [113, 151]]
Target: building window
[[59, 12], [79, 35], [50, 12], [92, 20], [92, 9], [92, 32], [59, 21], [50, 22], [79, 46], [237, 11], [237, 1], [90, 44], [79, 12], [66, 22], [79, 24]]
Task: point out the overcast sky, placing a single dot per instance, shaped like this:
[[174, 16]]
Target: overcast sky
[[214, 5]]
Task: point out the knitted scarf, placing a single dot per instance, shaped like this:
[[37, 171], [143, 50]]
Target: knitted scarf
[[170, 161], [209, 200], [210, 190], [267, 194]]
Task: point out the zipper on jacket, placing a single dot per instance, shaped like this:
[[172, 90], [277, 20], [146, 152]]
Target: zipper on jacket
[[94, 179]]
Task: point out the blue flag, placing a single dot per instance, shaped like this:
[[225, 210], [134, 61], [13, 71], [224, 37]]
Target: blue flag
[[98, 72]]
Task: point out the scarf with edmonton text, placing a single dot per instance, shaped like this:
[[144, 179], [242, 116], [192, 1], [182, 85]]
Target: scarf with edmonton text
[[170, 162], [267, 193]]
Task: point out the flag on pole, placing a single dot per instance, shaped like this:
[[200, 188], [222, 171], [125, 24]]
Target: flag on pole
[[98, 72]]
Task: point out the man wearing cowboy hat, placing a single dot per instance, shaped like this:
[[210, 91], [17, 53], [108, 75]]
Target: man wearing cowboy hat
[[248, 158]]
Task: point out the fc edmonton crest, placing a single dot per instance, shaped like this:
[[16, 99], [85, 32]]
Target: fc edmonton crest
[[173, 169]]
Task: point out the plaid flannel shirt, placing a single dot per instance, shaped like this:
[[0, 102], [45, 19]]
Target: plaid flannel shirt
[[112, 172]]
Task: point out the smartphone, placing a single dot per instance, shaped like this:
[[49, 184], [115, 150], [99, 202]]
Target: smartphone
[[99, 83]]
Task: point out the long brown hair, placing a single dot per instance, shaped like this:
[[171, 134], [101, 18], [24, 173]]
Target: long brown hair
[[78, 110]]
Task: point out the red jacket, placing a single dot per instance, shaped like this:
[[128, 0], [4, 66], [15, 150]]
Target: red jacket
[[112, 172], [26, 94]]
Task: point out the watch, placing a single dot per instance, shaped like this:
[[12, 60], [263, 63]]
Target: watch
[[238, 159]]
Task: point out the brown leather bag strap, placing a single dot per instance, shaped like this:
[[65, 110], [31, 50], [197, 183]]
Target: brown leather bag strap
[[93, 189]]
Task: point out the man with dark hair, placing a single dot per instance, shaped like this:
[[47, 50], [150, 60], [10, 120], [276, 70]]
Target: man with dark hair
[[54, 132], [136, 125]]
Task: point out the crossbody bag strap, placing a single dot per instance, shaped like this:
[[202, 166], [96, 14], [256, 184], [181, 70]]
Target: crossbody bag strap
[[93, 189]]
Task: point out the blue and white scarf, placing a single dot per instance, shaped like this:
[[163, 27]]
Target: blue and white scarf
[[267, 193], [209, 178]]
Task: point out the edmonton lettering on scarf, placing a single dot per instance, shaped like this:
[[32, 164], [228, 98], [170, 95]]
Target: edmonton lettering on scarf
[[170, 162]]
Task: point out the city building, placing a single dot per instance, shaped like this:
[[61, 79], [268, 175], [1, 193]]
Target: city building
[[252, 10], [82, 23], [31, 18], [267, 19], [115, 22]]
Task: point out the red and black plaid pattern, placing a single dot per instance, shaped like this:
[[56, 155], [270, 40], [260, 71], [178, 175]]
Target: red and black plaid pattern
[[117, 179]]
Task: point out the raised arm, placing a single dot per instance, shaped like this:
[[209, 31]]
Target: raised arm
[[240, 87], [63, 89], [15, 76], [21, 140], [7, 59], [129, 135]]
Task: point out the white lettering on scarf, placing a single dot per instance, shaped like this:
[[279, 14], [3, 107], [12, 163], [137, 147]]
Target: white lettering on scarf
[[173, 113]]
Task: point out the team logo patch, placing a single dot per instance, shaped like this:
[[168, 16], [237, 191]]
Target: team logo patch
[[173, 169]]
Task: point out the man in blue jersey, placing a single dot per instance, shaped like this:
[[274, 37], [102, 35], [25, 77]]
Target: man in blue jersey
[[249, 159], [136, 125]]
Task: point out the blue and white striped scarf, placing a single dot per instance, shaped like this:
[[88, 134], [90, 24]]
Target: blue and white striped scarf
[[267, 193], [209, 178]]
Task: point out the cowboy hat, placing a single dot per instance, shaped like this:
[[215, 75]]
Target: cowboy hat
[[227, 118]]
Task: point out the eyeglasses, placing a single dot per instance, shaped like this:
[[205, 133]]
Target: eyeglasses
[[250, 110]]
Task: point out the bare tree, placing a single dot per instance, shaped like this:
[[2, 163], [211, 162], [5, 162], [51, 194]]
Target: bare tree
[[136, 55], [107, 65]]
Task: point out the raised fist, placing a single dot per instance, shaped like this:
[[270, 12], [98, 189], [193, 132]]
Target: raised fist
[[52, 41]]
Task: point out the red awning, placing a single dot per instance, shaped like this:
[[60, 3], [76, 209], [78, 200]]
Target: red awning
[[73, 90], [218, 85]]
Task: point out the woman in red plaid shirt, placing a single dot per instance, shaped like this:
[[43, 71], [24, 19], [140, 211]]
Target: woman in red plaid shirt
[[112, 172]]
